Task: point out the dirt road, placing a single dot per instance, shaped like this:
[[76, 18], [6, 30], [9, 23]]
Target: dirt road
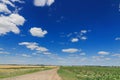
[[42, 75]]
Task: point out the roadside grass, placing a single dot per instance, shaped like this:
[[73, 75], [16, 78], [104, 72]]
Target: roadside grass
[[89, 73], [12, 71]]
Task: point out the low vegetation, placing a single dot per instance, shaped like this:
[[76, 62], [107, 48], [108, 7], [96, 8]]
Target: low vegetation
[[89, 73], [10, 71]]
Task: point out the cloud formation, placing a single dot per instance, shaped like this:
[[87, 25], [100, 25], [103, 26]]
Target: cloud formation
[[116, 55], [26, 55], [34, 46], [74, 40], [8, 2], [41, 3], [70, 50], [10, 20], [3, 52], [83, 38], [10, 23], [103, 53], [4, 8], [100, 58], [38, 32], [77, 36]]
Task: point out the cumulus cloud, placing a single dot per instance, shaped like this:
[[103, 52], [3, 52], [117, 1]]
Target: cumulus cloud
[[84, 31], [42, 3], [8, 2], [83, 38], [70, 50], [11, 21], [34, 46], [103, 53], [4, 9], [38, 32], [29, 45], [74, 40]]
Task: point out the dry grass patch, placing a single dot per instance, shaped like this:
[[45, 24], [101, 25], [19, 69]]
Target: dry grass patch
[[10, 70]]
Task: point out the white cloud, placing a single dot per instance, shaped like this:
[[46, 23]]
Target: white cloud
[[75, 40], [77, 36], [42, 3], [29, 45], [11, 23], [70, 50], [116, 55], [17, 19], [4, 52], [83, 38], [49, 2], [8, 2], [20, 1], [47, 53], [26, 55], [100, 58], [4, 8], [118, 38], [38, 32], [82, 34], [103, 53], [84, 31], [41, 49], [34, 46]]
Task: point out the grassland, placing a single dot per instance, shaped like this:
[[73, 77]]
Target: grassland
[[11, 71], [89, 73]]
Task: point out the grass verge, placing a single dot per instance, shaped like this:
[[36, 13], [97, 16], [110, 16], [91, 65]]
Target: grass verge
[[66, 74], [6, 72]]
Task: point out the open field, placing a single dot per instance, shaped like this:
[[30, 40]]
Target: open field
[[89, 73], [11, 71]]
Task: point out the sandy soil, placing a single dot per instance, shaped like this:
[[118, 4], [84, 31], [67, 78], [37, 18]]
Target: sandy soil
[[42, 75]]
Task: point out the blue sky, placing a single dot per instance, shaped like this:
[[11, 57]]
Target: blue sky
[[60, 32]]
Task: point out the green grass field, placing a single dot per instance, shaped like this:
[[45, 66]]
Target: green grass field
[[89, 73], [11, 71]]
